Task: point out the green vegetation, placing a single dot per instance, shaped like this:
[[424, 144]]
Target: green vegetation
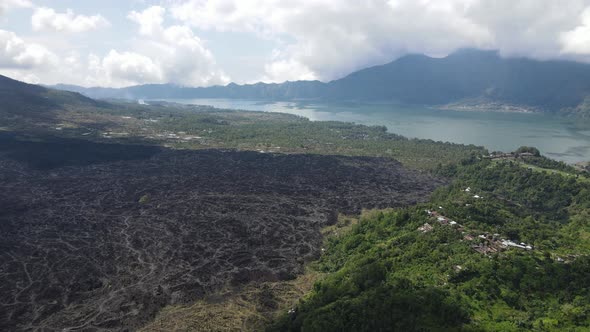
[[202, 127], [144, 199], [272, 132], [582, 110], [385, 274], [38, 113], [550, 164], [528, 149], [249, 308]]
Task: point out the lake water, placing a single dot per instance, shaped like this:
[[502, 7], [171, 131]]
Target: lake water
[[560, 138]]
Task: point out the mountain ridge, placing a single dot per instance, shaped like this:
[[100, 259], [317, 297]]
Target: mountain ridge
[[469, 74], [21, 99]]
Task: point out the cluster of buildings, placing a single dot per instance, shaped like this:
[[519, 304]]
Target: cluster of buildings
[[492, 243], [483, 243], [180, 136], [502, 155], [441, 220]]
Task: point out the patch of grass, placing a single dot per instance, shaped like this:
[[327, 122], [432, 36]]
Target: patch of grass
[[144, 199], [344, 225], [580, 178], [249, 308]]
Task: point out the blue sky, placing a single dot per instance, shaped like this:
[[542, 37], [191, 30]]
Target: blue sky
[[209, 42]]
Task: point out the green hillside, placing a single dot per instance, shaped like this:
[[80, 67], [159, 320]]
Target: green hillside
[[390, 272]]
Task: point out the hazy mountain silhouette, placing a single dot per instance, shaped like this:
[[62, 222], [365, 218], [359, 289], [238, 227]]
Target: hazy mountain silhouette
[[414, 79]]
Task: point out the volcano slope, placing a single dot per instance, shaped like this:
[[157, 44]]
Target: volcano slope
[[92, 244]]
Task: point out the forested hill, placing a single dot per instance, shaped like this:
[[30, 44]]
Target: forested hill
[[467, 77], [503, 248], [27, 100], [470, 74]]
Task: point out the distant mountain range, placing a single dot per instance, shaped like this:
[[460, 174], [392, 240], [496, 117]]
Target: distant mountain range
[[467, 78]]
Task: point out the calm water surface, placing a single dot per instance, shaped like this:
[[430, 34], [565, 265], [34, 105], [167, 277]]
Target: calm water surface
[[557, 137]]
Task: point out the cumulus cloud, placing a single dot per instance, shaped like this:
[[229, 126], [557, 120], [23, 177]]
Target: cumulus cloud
[[16, 53], [313, 39], [281, 70], [159, 54], [330, 38], [47, 19], [150, 20], [164, 54], [131, 67]]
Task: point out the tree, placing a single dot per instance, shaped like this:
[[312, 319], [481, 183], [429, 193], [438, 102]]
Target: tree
[[528, 149]]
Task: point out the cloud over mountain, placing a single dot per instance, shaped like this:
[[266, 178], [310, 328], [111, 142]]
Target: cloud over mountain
[[330, 38], [202, 42]]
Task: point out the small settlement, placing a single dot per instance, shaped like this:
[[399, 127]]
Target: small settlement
[[483, 243], [510, 155]]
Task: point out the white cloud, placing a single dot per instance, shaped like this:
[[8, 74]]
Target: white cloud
[[47, 19], [158, 54], [131, 67], [172, 54], [150, 20], [282, 70], [527, 27], [331, 38], [313, 39], [16, 53], [577, 40]]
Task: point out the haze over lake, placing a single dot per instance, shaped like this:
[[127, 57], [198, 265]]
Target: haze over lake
[[558, 137]]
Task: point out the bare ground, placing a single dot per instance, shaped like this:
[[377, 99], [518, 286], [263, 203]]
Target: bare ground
[[97, 246]]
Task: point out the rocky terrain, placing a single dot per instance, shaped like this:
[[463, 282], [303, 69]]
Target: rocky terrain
[[103, 236]]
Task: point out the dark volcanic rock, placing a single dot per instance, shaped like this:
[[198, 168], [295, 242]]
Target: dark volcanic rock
[[105, 246]]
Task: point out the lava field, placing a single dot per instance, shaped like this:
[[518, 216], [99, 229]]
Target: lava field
[[104, 245]]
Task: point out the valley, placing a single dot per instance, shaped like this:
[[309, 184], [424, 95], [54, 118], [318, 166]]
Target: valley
[[121, 216]]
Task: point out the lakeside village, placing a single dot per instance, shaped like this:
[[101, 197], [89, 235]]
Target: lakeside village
[[483, 243]]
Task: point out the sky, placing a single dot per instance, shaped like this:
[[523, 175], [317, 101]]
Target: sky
[[116, 43]]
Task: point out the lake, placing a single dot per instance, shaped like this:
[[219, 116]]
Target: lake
[[557, 137]]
